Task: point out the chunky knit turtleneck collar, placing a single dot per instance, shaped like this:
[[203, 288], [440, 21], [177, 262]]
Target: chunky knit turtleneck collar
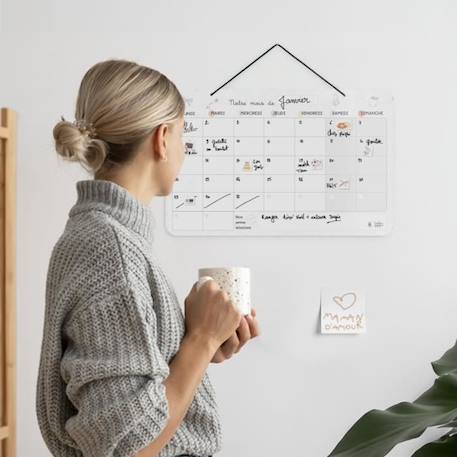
[[117, 201]]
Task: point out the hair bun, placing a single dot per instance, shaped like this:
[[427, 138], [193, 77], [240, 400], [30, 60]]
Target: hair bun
[[75, 142]]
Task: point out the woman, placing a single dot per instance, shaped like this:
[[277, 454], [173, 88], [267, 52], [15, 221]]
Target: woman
[[122, 370]]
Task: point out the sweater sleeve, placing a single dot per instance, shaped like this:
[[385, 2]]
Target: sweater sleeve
[[114, 373]]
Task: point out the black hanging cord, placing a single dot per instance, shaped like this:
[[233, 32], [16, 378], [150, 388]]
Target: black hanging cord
[[288, 52]]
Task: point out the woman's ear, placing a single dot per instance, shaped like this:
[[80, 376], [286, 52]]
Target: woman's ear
[[159, 141]]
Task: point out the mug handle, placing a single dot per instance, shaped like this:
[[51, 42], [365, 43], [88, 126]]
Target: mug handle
[[202, 280]]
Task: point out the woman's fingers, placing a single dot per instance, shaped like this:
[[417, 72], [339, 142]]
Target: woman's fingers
[[244, 333], [248, 328], [218, 356], [230, 346], [254, 328]]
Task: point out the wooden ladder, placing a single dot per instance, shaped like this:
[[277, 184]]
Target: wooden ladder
[[7, 282]]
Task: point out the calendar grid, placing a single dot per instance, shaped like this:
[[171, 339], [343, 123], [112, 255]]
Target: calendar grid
[[239, 160]]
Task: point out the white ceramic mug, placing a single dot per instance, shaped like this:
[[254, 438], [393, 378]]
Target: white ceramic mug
[[236, 281]]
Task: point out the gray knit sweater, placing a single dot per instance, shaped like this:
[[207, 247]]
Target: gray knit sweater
[[112, 324]]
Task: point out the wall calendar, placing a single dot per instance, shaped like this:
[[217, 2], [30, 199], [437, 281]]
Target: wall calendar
[[284, 162]]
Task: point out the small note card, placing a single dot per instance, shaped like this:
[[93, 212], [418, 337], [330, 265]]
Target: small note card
[[342, 310]]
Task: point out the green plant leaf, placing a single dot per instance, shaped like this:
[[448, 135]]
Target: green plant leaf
[[453, 423], [446, 446], [378, 431], [447, 363]]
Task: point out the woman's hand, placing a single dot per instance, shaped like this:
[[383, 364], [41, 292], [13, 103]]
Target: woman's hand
[[248, 329]]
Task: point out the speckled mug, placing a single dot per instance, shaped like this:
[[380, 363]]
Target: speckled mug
[[236, 281]]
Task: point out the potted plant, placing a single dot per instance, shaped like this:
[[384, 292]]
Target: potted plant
[[378, 431]]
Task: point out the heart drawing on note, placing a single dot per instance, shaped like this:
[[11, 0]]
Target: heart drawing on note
[[343, 309], [346, 300]]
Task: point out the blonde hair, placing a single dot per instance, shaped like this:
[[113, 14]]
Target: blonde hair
[[119, 104]]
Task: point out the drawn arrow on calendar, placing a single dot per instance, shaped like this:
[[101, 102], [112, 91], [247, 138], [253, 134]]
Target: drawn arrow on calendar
[[247, 201], [215, 201]]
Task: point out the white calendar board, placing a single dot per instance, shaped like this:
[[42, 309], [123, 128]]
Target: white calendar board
[[284, 163]]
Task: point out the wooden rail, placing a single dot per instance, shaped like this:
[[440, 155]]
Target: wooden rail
[[8, 282]]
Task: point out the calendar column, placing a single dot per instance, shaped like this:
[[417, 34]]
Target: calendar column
[[186, 199], [279, 163], [249, 163], [218, 172], [340, 164], [371, 171], [310, 163]]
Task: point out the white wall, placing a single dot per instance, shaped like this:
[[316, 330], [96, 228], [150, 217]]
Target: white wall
[[291, 391]]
